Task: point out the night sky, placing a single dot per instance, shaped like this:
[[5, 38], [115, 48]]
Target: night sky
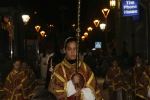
[[59, 12], [54, 11]]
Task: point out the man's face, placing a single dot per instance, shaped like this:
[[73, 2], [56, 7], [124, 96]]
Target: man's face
[[114, 63], [17, 65], [24, 66], [70, 50], [138, 60]]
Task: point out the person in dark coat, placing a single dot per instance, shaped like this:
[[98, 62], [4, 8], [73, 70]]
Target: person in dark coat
[[90, 60]]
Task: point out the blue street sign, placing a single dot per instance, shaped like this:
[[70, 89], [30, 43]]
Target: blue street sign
[[130, 8], [98, 45]]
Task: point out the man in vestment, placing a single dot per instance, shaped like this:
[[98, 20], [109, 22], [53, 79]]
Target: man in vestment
[[64, 77], [144, 84], [32, 83], [116, 81], [16, 83], [135, 77]]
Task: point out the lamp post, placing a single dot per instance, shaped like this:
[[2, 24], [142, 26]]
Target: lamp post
[[102, 26], [83, 38], [73, 26], [89, 29], [25, 19], [105, 13], [51, 27], [112, 4], [37, 28], [96, 22], [42, 33], [86, 34]]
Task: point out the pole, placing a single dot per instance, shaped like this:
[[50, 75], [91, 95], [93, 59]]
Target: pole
[[78, 38], [146, 17], [106, 35], [25, 43]]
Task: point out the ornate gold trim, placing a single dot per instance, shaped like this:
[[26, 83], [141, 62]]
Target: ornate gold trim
[[85, 68], [59, 77], [90, 79], [65, 83], [98, 91], [59, 90], [141, 96], [7, 90]]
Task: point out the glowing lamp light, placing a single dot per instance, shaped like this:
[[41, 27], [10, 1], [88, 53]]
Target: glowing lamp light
[[89, 28], [86, 34], [105, 12], [35, 12], [51, 25], [112, 4], [93, 49], [37, 28], [73, 25], [83, 38], [42, 33], [25, 19], [96, 22], [102, 26]]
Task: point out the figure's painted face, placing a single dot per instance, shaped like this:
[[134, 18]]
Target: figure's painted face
[[70, 50], [24, 65], [138, 60], [17, 65], [114, 63]]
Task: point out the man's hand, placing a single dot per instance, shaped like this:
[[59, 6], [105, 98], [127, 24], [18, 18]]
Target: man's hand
[[78, 93], [76, 79]]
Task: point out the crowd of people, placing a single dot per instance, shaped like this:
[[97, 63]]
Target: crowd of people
[[131, 85], [64, 80], [19, 83]]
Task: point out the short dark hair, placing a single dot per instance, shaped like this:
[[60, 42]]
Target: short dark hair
[[17, 59], [139, 55], [44, 95], [69, 39], [114, 59]]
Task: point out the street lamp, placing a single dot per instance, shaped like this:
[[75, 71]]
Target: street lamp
[[83, 38], [73, 25], [37, 28], [86, 34], [102, 26], [96, 22], [112, 4], [105, 13], [51, 25], [25, 19], [89, 29], [42, 33]]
